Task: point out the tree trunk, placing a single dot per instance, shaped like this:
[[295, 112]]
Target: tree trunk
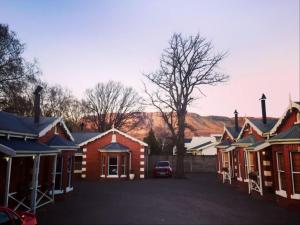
[[180, 147]]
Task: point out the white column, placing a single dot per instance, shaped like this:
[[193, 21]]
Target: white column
[[260, 174], [54, 176], [35, 181], [229, 167], [7, 183]]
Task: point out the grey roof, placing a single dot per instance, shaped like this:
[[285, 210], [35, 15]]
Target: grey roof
[[202, 145], [250, 139], [28, 146], [115, 147], [59, 141], [257, 143], [292, 133], [264, 127], [225, 143], [233, 132], [19, 124], [80, 137], [7, 151]]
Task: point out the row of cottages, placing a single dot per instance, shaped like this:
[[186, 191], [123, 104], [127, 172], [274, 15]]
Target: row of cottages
[[264, 155], [36, 159], [112, 154], [203, 145]]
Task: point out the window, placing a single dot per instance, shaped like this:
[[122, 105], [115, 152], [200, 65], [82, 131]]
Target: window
[[123, 166], [58, 176], [280, 171], [246, 165], [103, 165], [78, 163], [4, 219], [239, 162], [226, 160], [69, 170], [295, 169], [251, 161], [113, 166]]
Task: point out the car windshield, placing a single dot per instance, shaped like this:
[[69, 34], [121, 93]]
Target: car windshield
[[162, 164]]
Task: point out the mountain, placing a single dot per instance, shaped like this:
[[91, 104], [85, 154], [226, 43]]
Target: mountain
[[197, 125]]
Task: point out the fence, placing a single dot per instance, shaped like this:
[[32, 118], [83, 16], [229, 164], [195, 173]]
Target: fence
[[192, 164]]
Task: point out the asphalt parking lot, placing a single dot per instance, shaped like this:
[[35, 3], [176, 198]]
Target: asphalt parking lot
[[199, 199]]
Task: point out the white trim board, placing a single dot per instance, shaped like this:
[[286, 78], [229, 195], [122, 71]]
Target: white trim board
[[109, 131]]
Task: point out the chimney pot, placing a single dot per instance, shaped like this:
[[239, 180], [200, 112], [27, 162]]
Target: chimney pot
[[236, 120], [263, 108]]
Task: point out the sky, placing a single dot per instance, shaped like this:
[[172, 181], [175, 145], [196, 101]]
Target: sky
[[79, 43]]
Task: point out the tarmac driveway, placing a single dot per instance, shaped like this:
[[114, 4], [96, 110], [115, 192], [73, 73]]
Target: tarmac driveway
[[199, 199]]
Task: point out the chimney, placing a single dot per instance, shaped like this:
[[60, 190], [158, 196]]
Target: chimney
[[263, 108], [81, 126], [236, 121], [37, 99]]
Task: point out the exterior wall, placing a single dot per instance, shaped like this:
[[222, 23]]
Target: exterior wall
[[288, 121], [285, 150], [250, 131], [92, 168], [59, 130]]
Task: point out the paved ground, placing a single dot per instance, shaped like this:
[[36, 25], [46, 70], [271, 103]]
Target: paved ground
[[200, 199]]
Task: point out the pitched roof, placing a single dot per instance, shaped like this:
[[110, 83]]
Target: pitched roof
[[248, 140], [80, 137], [115, 147], [13, 123], [28, 146], [7, 151], [202, 145], [58, 141], [233, 131], [264, 128], [85, 137], [224, 144], [292, 134]]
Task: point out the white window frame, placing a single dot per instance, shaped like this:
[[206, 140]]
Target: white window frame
[[57, 172], [224, 163], [103, 158], [108, 173], [123, 166], [251, 166], [69, 174], [280, 192], [246, 166], [294, 195]]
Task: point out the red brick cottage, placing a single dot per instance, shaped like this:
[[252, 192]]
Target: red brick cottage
[[225, 155], [36, 160], [112, 154], [285, 146], [254, 158]]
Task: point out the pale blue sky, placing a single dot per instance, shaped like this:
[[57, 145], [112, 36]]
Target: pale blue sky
[[79, 43]]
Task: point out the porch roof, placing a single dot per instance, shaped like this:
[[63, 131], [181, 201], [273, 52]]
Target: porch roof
[[26, 146], [7, 151], [224, 144], [115, 147], [249, 140], [292, 134], [58, 141]]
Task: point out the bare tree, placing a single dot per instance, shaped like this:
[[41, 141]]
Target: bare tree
[[16, 74], [110, 104], [185, 66]]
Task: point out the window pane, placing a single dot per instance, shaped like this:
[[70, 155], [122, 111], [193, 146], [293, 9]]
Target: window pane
[[113, 166], [296, 183], [296, 161], [282, 179], [280, 161], [113, 160]]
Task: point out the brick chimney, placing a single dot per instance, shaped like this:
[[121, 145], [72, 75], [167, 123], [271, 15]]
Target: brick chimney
[[37, 100], [263, 108], [236, 121]]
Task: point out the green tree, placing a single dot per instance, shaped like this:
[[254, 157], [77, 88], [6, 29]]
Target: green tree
[[153, 143]]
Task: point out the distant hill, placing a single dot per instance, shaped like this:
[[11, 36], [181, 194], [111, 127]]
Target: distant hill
[[197, 125]]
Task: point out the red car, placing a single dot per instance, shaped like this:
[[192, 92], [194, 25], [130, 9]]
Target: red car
[[162, 169], [9, 217]]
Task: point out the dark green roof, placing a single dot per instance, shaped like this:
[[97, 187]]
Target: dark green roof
[[225, 143], [234, 133], [247, 140], [292, 133], [264, 127], [257, 143]]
